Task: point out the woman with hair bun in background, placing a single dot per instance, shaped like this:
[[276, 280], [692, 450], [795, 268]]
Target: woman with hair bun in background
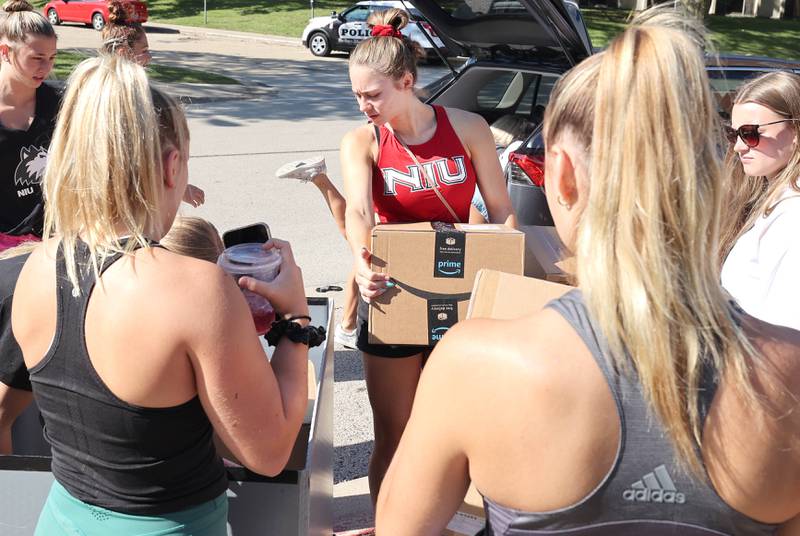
[[28, 109], [124, 34]]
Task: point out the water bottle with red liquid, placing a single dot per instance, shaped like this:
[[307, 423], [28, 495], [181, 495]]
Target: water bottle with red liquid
[[252, 260]]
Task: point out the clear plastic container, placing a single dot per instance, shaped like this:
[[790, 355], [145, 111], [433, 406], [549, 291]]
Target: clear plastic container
[[254, 261]]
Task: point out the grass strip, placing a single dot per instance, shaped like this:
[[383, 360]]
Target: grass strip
[[67, 60]]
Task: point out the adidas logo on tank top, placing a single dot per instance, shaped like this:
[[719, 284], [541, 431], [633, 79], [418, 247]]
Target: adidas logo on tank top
[[655, 487]]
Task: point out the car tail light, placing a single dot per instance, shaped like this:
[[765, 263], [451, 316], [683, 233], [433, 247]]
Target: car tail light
[[526, 169], [429, 28]]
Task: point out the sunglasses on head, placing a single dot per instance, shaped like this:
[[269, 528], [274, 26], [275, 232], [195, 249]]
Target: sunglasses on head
[[749, 133]]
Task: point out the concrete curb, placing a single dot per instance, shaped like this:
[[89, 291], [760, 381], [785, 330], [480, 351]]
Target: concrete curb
[[226, 34]]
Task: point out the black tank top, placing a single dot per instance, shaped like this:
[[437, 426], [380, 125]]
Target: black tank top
[[106, 452], [645, 492]]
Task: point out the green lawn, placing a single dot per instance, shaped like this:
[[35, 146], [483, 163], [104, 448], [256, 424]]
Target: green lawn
[[762, 37], [733, 35], [66, 62], [285, 17]]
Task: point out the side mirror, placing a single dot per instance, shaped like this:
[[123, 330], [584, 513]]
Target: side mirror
[[333, 14]]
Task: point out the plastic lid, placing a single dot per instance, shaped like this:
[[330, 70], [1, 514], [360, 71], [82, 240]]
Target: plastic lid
[[250, 259]]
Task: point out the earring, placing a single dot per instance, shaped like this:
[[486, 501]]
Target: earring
[[563, 203]]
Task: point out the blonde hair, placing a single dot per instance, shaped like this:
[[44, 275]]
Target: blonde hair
[[751, 197], [508, 128], [390, 56], [194, 237], [104, 175], [21, 21], [644, 109]]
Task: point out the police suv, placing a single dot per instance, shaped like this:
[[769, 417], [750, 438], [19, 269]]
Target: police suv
[[343, 31]]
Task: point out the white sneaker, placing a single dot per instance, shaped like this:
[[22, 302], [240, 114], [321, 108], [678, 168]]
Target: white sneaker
[[344, 337], [302, 170]]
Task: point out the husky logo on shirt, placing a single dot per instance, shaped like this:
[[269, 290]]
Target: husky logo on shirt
[[437, 170], [30, 170]]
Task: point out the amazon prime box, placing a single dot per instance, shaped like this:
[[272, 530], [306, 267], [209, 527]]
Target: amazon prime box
[[434, 266]]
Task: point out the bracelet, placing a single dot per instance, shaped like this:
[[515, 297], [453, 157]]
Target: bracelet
[[311, 336]]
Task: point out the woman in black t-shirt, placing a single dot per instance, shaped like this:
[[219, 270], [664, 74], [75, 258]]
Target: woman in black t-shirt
[[28, 109]]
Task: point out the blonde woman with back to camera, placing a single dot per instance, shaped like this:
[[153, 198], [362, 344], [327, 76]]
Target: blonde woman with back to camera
[[404, 132], [761, 241], [137, 354], [681, 418]]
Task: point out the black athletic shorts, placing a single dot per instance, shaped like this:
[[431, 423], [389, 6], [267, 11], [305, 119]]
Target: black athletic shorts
[[380, 350]]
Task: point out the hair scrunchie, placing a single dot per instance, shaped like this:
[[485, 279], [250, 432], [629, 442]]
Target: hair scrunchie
[[385, 30]]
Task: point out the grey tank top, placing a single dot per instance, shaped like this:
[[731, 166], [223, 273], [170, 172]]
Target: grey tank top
[[644, 492]]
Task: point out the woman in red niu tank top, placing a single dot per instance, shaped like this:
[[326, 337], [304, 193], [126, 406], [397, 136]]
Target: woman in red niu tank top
[[401, 193], [455, 151]]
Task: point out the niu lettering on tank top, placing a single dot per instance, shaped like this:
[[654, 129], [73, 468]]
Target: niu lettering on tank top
[[644, 492], [400, 193], [106, 452], [23, 157]]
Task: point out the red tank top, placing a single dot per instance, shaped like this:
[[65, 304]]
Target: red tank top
[[399, 191]]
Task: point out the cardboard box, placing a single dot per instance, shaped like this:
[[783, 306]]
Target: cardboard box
[[547, 258], [501, 296], [434, 266], [505, 296], [469, 519]]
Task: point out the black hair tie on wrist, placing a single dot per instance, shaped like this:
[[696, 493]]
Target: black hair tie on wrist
[[311, 336]]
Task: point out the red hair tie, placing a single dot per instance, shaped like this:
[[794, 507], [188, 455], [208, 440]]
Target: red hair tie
[[385, 30]]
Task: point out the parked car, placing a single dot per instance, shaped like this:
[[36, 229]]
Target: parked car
[[89, 12], [343, 31]]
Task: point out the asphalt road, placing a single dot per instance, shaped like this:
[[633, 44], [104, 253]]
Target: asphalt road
[[236, 146]]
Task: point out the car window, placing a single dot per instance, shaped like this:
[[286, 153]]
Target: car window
[[471, 9], [505, 6], [501, 91], [356, 14], [726, 80]]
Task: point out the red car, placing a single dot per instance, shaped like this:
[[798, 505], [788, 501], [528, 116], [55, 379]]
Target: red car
[[90, 12]]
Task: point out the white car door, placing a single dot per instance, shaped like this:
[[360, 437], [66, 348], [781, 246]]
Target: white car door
[[354, 28]]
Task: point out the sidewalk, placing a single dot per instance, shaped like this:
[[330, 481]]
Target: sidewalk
[[156, 26]]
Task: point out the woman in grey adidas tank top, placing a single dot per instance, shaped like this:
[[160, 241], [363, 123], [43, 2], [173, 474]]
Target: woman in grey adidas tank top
[[641, 402]]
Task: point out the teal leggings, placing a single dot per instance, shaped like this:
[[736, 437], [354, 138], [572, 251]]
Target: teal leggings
[[64, 515]]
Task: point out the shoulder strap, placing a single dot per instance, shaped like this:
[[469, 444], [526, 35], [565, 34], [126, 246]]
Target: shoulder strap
[[429, 183], [378, 141]]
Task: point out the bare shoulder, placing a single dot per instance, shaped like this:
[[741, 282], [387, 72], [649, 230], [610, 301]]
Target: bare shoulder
[[181, 274], [463, 120], [359, 140], [516, 352], [779, 351]]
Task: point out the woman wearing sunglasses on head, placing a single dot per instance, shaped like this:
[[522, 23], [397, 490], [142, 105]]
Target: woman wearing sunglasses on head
[[760, 247], [643, 402]]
